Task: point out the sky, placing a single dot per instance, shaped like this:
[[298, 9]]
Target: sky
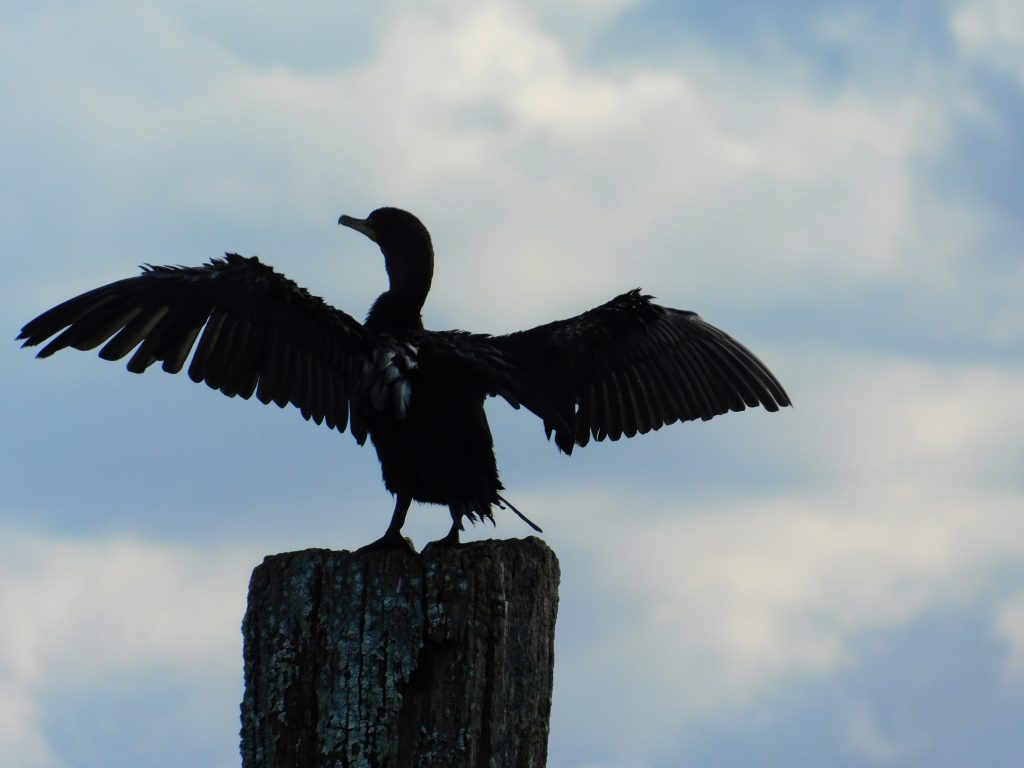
[[838, 185]]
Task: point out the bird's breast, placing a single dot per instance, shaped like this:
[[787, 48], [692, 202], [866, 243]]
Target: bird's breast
[[386, 381]]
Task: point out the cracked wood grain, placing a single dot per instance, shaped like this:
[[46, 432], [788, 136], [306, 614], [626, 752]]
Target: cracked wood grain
[[388, 659]]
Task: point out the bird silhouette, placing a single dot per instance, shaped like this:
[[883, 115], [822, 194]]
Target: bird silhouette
[[624, 368]]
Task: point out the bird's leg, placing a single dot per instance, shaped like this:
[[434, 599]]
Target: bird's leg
[[452, 539], [392, 538]]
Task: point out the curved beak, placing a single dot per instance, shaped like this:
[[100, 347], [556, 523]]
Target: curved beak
[[359, 225]]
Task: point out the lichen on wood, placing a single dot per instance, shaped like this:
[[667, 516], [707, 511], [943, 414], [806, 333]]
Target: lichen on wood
[[384, 659]]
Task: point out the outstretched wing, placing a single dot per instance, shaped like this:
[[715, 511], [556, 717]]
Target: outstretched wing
[[630, 366], [258, 332]]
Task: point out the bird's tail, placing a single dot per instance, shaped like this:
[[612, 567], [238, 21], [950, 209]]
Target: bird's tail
[[503, 502]]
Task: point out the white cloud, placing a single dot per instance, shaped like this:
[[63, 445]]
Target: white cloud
[[992, 31], [912, 424], [740, 596], [78, 613]]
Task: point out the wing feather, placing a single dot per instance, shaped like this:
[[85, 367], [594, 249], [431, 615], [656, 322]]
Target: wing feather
[[646, 399], [285, 373], [628, 399], [268, 368], [144, 356], [668, 403], [112, 319], [178, 346]]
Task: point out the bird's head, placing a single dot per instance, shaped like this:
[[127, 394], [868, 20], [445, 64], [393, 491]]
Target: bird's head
[[392, 229], [408, 252]]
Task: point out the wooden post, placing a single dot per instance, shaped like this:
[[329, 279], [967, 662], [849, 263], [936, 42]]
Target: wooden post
[[388, 659]]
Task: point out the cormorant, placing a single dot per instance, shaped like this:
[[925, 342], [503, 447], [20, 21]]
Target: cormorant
[[623, 368]]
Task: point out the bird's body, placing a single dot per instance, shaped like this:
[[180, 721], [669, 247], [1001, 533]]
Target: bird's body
[[626, 367], [440, 450]]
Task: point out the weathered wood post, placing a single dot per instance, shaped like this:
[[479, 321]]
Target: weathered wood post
[[388, 659]]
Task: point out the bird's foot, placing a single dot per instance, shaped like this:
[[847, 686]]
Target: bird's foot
[[451, 541], [390, 541]]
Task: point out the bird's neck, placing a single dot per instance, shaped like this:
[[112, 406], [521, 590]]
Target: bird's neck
[[393, 311], [399, 307]]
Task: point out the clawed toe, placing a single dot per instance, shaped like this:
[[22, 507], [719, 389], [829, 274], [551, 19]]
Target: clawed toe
[[448, 542], [390, 541]]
